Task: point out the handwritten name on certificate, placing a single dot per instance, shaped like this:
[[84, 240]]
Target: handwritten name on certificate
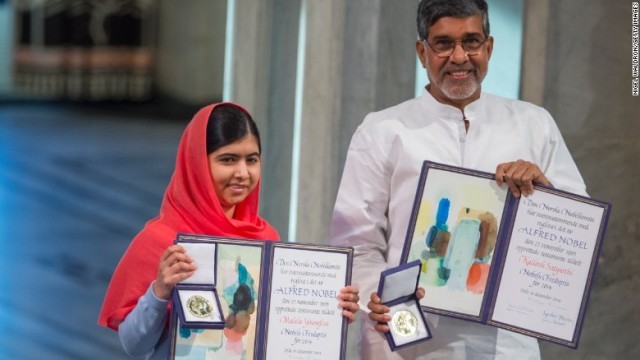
[[551, 250], [305, 321]]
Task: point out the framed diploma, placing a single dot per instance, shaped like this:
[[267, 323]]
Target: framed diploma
[[524, 264], [278, 301]]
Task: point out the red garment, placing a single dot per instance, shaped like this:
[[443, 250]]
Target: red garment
[[190, 205]]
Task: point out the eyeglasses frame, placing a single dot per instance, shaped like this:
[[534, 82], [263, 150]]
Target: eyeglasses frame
[[455, 44]]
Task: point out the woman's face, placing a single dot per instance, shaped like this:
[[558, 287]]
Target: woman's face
[[235, 171]]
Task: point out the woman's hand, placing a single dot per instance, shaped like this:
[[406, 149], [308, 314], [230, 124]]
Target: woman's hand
[[175, 266], [380, 313], [349, 298]]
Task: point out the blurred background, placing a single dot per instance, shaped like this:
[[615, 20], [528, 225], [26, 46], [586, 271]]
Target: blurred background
[[94, 95]]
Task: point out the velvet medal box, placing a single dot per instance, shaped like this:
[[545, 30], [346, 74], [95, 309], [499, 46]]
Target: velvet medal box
[[397, 290], [196, 298]]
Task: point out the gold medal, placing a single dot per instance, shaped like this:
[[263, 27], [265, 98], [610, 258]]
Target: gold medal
[[199, 306], [405, 323]]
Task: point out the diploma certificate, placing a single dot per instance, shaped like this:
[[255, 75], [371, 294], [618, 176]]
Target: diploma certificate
[[524, 264], [279, 301]]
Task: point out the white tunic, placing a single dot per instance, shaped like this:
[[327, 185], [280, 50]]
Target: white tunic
[[378, 186]]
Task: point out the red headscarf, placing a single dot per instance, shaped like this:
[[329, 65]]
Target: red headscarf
[[190, 205]]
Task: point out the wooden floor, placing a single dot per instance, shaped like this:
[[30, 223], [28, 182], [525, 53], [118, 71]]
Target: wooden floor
[[76, 184]]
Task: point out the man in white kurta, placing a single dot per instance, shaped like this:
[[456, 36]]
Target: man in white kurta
[[379, 185], [454, 123]]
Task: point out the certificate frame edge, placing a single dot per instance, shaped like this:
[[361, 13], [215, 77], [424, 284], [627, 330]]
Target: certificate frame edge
[[604, 221], [348, 251], [417, 198]]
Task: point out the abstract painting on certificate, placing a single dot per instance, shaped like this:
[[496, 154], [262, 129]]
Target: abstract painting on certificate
[[453, 231], [238, 283]]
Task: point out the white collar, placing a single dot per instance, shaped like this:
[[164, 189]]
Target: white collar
[[451, 112]]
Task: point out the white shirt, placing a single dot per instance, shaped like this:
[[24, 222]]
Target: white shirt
[[378, 187]]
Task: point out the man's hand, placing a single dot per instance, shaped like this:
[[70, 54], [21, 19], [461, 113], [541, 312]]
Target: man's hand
[[519, 176], [380, 313]]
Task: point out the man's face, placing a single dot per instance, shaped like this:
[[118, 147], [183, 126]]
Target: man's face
[[456, 79]]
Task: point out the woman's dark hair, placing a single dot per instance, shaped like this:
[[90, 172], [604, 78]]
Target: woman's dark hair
[[229, 123], [430, 11]]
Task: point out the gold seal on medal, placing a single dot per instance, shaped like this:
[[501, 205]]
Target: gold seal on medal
[[405, 323], [199, 306]]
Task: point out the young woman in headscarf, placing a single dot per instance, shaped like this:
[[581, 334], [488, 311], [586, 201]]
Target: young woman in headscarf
[[214, 190]]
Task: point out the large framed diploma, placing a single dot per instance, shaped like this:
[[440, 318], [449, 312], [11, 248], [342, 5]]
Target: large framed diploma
[[525, 264], [278, 300]]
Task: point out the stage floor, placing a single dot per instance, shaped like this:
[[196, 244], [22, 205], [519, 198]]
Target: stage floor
[[76, 184]]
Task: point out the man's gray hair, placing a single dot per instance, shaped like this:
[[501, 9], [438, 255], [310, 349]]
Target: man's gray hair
[[430, 11]]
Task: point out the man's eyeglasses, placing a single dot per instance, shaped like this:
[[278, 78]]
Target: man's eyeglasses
[[445, 47]]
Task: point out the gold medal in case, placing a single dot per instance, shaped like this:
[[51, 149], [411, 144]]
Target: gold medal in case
[[199, 306], [405, 323]]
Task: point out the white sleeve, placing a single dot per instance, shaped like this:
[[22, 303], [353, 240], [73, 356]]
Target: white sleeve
[[142, 329], [558, 165], [360, 213]]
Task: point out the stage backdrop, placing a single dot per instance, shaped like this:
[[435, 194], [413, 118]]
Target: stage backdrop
[[91, 50]]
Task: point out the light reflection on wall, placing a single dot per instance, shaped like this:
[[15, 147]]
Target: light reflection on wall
[[503, 78], [297, 122], [6, 37]]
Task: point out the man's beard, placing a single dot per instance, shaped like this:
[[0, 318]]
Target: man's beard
[[459, 89]]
